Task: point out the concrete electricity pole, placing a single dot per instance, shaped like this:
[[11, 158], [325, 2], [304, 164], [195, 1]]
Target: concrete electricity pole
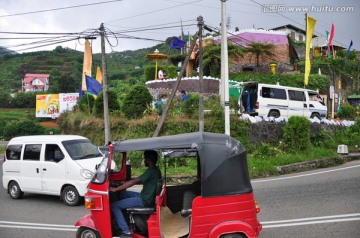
[[224, 68], [201, 76], [105, 86]]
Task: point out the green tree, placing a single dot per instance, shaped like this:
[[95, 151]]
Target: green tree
[[24, 100], [22, 128], [112, 103], [260, 50], [212, 57], [5, 99], [136, 101]]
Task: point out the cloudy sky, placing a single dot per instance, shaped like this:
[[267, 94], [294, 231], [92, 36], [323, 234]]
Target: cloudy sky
[[61, 22]]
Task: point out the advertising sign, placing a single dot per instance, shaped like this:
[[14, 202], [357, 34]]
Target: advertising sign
[[47, 105], [67, 101], [51, 105]]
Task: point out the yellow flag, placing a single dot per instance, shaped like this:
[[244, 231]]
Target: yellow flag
[[87, 64], [310, 25], [99, 77]]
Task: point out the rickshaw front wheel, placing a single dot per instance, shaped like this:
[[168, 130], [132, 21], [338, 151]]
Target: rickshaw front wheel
[[86, 232]]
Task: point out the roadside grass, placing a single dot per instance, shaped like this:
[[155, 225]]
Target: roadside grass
[[263, 167], [12, 114], [2, 149]]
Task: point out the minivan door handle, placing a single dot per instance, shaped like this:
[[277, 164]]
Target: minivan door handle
[[37, 170], [44, 169], [305, 105]]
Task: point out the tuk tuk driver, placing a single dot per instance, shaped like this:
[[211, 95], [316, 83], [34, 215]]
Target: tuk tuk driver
[[130, 199]]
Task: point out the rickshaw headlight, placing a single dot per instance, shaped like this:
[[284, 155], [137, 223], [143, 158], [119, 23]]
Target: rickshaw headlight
[[257, 206], [86, 173], [93, 202], [89, 203]]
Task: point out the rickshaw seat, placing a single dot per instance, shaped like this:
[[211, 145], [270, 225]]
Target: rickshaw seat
[[187, 203], [139, 215]]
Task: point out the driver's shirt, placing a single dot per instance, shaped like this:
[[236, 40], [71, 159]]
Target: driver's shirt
[[149, 179]]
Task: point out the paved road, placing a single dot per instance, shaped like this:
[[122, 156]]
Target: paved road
[[322, 203]]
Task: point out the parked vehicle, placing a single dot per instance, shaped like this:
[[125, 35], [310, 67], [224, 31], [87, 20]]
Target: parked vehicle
[[50, 164], [220, 203], [267, 100]]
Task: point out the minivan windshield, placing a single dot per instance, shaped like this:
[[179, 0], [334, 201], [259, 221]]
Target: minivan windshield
[[81, 149]]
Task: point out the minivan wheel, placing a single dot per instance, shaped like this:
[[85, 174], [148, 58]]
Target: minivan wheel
[[15, 191], [316, 115], [86, 232], [70, 196], [274, 113]]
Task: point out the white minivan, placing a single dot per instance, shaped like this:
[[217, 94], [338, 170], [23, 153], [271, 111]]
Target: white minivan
[[267, 100], [50, 164]]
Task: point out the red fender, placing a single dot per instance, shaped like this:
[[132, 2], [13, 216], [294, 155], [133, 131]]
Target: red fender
[[86, 221], [232, 227]]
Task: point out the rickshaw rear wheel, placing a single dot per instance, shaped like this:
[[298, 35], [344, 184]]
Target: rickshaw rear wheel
[[86, 232], [234, 235]]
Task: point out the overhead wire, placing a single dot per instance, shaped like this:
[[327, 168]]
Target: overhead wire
[[60, 8]]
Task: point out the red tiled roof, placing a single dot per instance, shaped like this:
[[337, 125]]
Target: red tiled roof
[[30, 77]]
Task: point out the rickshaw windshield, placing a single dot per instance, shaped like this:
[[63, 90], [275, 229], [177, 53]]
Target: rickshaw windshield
[[102, 170]]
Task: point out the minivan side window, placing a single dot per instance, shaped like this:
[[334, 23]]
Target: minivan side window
[[32, 152], [296, 95], [13, 152], [53, 153], [275, 93]]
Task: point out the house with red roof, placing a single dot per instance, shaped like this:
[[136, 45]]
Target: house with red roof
[[35, 83]]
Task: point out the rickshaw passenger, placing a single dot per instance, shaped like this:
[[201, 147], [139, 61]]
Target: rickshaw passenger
[[134, 199]]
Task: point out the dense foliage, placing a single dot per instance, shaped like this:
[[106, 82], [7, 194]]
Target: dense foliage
[[21, 128], [136, 101], [297, 134]]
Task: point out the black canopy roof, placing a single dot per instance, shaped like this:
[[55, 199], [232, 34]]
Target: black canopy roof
[[223, 160]]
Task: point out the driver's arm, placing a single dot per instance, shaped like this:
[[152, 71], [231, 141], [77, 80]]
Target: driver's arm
[[126, 185]]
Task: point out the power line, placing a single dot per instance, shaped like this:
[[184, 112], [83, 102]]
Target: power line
[[60, 8]]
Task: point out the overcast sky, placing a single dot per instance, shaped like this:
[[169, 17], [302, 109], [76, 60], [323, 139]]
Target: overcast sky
[[157, 20]]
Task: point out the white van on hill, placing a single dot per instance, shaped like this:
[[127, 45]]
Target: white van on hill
[[269, 100], [50, 164]]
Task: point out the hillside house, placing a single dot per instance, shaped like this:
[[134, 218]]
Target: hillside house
[[35, 83]]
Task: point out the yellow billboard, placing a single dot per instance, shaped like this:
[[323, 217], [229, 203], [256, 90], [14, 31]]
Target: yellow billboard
[[47, 105]]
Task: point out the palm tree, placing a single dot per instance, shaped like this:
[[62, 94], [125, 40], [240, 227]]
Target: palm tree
[[259, 50], [212, 57]]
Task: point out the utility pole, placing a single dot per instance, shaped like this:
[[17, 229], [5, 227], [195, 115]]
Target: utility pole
[[105, 86], [201, 76], [176, 85], [225, 68]]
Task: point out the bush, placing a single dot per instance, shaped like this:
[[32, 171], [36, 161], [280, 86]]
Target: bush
[[23, 128], [347, 111], [112, 103], [86, 103], [190, 107], [136, 101], [297, 134]]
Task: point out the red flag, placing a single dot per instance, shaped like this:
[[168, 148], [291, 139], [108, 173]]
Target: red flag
[[332, 32], [331, 37]]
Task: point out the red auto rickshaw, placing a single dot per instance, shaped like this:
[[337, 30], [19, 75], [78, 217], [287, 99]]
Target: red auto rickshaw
[[220, 203]]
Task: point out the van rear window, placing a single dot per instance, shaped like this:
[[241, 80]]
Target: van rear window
[[273, 93], [13, 152]]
